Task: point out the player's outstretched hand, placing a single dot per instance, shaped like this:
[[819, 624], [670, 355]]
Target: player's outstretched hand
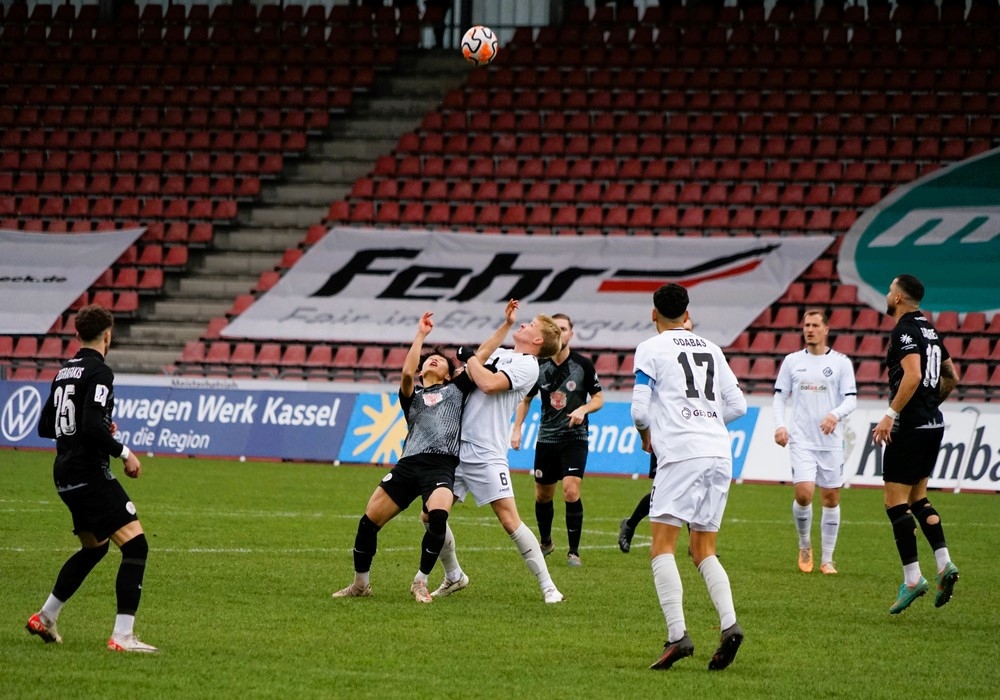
[[465, 353], [426, 324], [510, 311]]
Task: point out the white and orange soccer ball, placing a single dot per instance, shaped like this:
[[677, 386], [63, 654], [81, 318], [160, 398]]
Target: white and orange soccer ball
[[479, 45]]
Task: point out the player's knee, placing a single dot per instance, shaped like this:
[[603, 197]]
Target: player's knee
[[136, 549], [437, 522], [95, 554], [367, 525]]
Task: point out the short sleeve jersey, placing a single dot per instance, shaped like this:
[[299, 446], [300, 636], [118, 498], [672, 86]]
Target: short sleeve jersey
[[434, 417], [78, 414], [487, 418], [563, 389], [914, 334], [815, 385], [689, 376]]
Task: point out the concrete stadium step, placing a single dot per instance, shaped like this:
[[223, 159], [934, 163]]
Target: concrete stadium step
[[169, 334], [284, 216], [339, 171], [259, 239], [141, 359], [215, 287], [189, 311], [302, 193], [237, 263], [357, 148]]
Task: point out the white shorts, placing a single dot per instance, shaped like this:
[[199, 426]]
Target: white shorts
[[692, 491], [825, 468], [486, 481]]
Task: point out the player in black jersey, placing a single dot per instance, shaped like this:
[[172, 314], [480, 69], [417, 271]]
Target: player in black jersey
[[427, 467], [78, 414], [565, 381], [921, 375]]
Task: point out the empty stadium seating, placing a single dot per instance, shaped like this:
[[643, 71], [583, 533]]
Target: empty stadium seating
[[681, 121]]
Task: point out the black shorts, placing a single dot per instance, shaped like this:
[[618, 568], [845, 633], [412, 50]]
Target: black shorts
[[420, 475], [556, 460], [101, 509], [911, 455]]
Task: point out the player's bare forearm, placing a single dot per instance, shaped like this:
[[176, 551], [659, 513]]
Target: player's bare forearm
[[488, 382], [490, 345], [949, 379], [412, 361]]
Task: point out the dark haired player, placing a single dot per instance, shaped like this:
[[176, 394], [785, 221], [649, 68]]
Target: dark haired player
[[565, 381], [684, 394], [921, 375], [427, 467], [78, 414]]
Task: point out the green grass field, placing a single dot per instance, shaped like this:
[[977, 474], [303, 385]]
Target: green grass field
[[244, 557]]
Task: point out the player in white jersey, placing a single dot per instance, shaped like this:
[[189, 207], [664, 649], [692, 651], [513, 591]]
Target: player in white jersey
[[820, 383], [684, 394], [505, 377]]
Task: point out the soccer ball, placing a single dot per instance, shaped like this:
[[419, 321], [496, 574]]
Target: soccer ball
[[479, 45]]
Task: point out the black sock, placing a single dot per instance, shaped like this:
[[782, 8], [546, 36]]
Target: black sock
[[75, 570], [128, 586], [923, 511], [430, 547], [365, 544], [544, 512], [905, 532], [640, 512], [574, 525]]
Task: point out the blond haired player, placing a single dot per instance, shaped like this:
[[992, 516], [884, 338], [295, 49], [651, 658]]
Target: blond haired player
[[504, 377], [819, 382]]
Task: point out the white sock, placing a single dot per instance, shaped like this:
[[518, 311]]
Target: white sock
[[124, 625], [50, 611], [448, 557], [362, 580], [420, 576], [911, 573], [531, 552], [719, 590], [941, 556], [670, 592], [803, 523], [829, 529]]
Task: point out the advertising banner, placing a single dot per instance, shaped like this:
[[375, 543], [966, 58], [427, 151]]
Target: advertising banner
[[373, 285], [377, 430], [41, 274], [197, 417], [352, 425]]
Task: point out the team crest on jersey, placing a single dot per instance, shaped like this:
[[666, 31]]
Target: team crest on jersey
[[433, 399], [571, 385], [827, 372], [557, 400]]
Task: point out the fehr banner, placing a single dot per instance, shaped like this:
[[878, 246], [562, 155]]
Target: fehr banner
[[372, 285]]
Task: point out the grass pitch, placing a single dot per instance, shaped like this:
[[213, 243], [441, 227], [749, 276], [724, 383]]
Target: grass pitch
[[244, 556]]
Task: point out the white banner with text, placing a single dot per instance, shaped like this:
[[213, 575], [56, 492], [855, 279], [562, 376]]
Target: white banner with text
[[42, 274], [372, 285]]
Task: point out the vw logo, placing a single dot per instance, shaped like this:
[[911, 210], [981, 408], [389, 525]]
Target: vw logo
[[20, 413]]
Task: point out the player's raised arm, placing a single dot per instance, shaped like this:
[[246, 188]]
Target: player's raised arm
[[490, 345], [412, 361]]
